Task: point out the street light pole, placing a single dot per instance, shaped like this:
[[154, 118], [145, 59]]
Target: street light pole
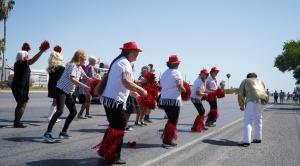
[[228, 76]]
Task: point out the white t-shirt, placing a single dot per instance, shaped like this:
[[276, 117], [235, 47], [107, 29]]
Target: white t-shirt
[[168, 82], [115, 88], [211, 84], [65, 83], [198, 85]]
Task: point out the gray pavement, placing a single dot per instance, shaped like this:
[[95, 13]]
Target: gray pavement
[[25, 146]]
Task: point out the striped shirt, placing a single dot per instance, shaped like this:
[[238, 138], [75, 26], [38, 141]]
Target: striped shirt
[[65, 83]]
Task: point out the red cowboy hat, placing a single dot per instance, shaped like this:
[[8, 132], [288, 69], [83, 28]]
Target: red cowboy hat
[[214, 69], [26, 47], [130, 46], [173, 59], [204, 71]]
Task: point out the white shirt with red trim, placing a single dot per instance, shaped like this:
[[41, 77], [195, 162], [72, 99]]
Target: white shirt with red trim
[[211, 83], [198, 85], [168, 82], [115, 88]]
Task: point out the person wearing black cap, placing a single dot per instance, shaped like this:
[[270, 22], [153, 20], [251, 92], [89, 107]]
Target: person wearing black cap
[[115, 89], [20, 83], [251, 98], [171, 83]]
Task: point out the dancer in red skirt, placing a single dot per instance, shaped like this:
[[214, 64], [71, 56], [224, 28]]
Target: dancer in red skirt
[[212, 86], [198, 91], [116, 88], [171, 83]]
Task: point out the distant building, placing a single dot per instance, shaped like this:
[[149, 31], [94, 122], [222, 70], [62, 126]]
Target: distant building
[[38, 78]]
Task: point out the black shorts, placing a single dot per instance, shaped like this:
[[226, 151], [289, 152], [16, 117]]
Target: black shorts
[[20, 95], [131, 105]]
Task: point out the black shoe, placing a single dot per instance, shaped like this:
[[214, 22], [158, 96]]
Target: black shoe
[[148, 120], [81, 117], [19, 125], [143, 124], [137, 124], [166, 145], [119, 162], [89, 116], [256, 141], [210, 124], [243, 144]]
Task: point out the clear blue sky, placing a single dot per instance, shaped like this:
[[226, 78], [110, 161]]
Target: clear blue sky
[[236, 36]]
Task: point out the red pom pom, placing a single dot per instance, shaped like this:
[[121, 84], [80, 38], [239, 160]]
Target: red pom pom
[[209, 97], [26, 47], [44, 46], [57, 48], [93, 84], [185, 96], [220, 93], [150, 100], [149, 77]]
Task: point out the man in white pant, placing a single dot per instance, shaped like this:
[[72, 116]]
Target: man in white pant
[[252, 97]]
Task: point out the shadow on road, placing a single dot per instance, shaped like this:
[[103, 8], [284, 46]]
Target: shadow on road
[[283, 109], [24, 121], [98, 114], [142, 146], [74, 162], [26, 139], [184, 124], [222, 142], [90, 130]]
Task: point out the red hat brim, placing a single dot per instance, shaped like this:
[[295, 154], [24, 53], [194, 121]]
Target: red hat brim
[[135, 49], [204, 73], [176, 62]]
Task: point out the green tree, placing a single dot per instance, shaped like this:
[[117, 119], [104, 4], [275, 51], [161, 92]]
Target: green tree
[[289, 59], [5, 8]]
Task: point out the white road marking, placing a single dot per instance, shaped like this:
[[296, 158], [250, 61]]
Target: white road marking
[[188, 144], [149, 162]]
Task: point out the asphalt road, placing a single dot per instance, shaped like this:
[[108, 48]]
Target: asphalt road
[[217, 146]]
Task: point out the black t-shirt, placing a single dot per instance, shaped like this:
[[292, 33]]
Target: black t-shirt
[[21, 75], [54, 76]]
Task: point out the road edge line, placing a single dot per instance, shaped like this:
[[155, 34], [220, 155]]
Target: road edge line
[[189, 144]]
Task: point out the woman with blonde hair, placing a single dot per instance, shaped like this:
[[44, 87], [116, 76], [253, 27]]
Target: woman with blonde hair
[[55, 70], [64, 89], [20, 83], [91, 71]]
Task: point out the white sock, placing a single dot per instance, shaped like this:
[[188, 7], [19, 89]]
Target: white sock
[[52, 111]]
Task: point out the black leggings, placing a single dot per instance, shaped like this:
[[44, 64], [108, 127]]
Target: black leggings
[[199, 107], [63, 99], [213, 105], [116, 119], [172, 113], [19, 111]]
